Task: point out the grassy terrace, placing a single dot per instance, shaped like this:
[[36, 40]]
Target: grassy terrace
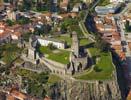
[[60, 56], [68, 39], [104, 2], [102, 70], [77, 29], [53, 79], [84, 42], [103, 67], [9, 52], [50, 78], [65, 38]]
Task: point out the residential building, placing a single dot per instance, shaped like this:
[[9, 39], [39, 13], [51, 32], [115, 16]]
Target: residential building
[[106, 26], [64, 5], [88, 1], [77, 7], [111, 8], [10, 32]]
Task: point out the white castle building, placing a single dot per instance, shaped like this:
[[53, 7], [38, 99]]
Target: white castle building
[[117, 1], [46, 41]]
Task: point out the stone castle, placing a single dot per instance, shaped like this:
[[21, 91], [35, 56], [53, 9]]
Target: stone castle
[[78, 58]]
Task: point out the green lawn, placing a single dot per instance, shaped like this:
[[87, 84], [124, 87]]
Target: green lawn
[[102, 70], [77, 29], [53, 79], [83, 28], [84, 42], [60, 56], [94, 51], [9, 52], [65, 38], [104, 2]]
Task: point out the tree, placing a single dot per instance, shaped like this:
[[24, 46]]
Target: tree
[[51, 46], [127, 26], [39, 30], [24, 20], [26, 5], [42, 78], [7, 1], [103, 45], [10, 22], [36, 89], [67, 23], [82, 14]]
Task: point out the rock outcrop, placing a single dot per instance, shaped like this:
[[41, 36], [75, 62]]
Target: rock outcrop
[[98, 90]]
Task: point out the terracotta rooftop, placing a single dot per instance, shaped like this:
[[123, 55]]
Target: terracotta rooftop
[[129, 43], [117, 47], [47, 14], [69, 14], [18, 94], [116, 37], [6, 31], [129, 96], [9, 97]]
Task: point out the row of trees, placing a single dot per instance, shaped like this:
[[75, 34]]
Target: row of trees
[[28, 4], [21, 21], [102, 44], [34, 82], [41, 5], [68, 22], [127, 26]]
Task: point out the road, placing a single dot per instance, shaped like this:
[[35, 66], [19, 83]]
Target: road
[[128, 6], [93, 5]]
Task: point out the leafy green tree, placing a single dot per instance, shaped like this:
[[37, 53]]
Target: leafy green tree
[[10, 22], [82, 15], [26, 36], [6, 1], [67, 23], [127, 26], [24, 20], [42, 78], [39, 30], [51, 46], [103, 45], [36, 89]]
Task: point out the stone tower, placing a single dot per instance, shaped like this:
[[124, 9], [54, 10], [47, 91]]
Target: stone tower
[[31, 51], [78, 59], [75, 44]]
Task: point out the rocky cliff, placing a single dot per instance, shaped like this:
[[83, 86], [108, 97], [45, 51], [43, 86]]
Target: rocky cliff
[[91, 90]]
